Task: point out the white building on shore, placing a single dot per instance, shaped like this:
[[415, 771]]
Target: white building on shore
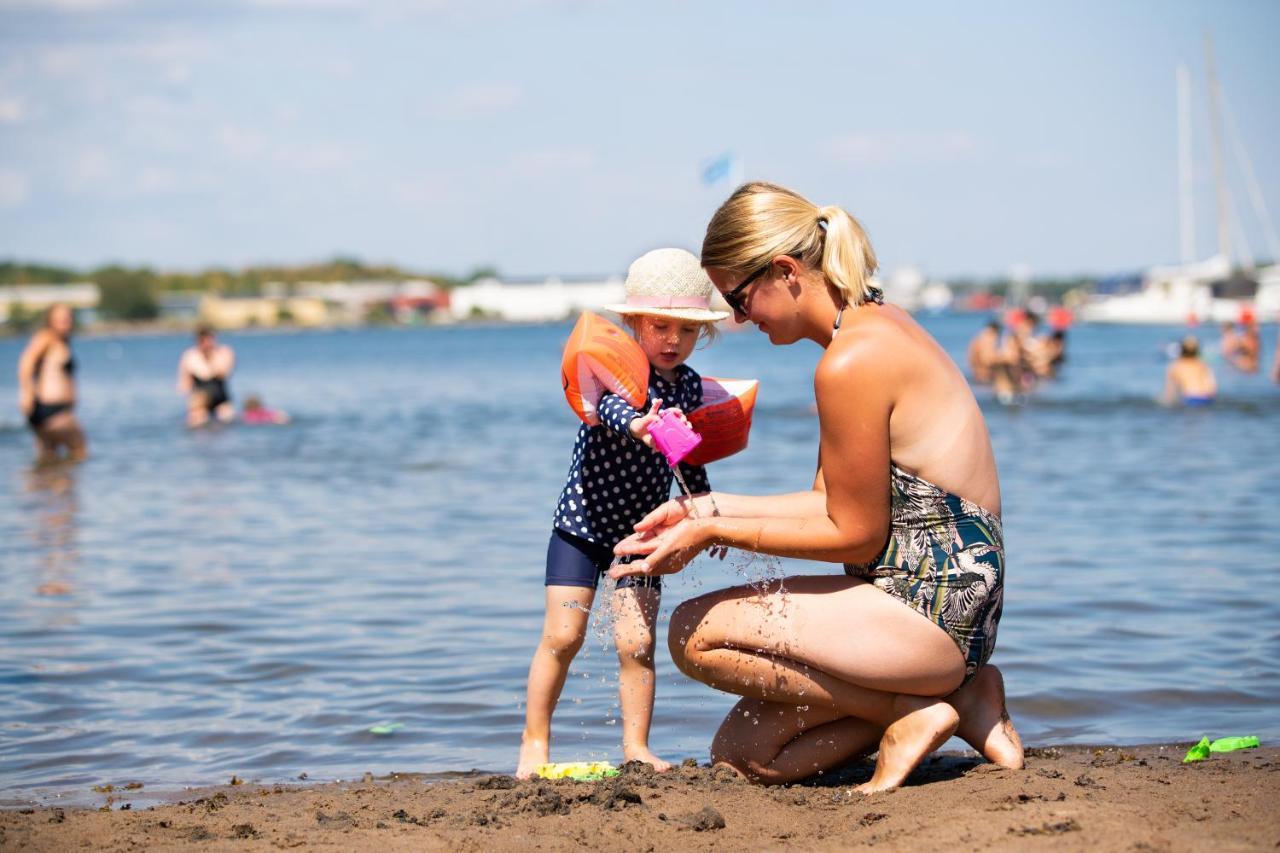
[[82, 296], [534, 300]]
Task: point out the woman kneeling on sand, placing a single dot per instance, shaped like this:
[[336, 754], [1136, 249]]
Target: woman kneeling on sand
[[892, 655]]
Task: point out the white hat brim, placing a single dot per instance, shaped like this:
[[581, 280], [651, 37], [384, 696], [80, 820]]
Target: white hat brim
[[697, 315]]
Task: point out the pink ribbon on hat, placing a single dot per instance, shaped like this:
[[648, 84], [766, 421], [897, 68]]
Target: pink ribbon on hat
[[669, 301]]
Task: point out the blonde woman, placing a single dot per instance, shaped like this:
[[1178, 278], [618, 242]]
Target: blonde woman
[[890, 655], [47, 388]]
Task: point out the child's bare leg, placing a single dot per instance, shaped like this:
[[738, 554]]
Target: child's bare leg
[[563, 630], [635, 610]]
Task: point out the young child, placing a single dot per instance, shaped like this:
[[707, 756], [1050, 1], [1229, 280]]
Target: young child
[[617, 478], [256, 413]]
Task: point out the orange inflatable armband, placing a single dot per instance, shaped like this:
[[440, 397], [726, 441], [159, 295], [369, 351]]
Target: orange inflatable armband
[[600, 358], [724, 418]]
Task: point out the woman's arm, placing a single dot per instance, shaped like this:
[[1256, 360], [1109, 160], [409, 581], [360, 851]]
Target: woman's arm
[[31, 355], [852, 522], [184, 376]]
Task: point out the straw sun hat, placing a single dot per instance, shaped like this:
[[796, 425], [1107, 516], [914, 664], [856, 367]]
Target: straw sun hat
[[669, 283]]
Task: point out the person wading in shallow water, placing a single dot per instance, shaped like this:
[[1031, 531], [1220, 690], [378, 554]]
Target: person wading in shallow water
[[47, 388], [203, 373], [892, 654]]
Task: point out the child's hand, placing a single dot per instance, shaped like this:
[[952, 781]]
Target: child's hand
[[639, 427], [679, 414]]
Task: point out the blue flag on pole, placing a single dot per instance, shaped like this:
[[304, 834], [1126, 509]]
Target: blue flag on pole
[[718, 169]]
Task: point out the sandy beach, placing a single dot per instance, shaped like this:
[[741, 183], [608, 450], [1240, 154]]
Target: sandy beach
[[1133, 798]]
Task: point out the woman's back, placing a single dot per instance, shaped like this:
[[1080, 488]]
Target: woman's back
[[936, 429]]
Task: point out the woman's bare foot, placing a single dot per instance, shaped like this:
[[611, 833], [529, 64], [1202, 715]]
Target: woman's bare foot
[[923, 725], [642, 753], [984, 719], [533, 751]]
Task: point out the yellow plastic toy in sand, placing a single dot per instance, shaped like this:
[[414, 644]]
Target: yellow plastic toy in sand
[[582, 771]]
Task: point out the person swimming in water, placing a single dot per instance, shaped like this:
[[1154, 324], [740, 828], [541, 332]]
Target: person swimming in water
[[203, 373], [1189, 380], [256, 413], [47, 388]]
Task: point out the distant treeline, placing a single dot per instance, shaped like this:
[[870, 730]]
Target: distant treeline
[[132, 293]]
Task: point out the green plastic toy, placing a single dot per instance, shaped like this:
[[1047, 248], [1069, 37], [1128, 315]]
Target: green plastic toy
[[1201, 751], [384, 728], [579, 771]]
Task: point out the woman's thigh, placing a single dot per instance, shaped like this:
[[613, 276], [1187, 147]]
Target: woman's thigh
[[842, 626]]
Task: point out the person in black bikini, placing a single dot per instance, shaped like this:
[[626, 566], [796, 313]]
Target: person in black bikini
[[47, 389], [203, 373]]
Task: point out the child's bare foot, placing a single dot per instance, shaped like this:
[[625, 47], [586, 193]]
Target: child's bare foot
[[533, 751], [984, 719], [642, 753], [923, 726]]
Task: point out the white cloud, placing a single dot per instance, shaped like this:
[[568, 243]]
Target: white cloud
[[477, 100], [66, 5], [241, 142], [12, 109], [544, 162], [896, 148], [14, 188], [90, 168]]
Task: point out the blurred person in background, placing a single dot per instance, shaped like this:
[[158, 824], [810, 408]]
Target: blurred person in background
[[1229, 343], [203, 373], [1189, 380], [1248, 352], [1051, 354], [984, 353], [47, 388]]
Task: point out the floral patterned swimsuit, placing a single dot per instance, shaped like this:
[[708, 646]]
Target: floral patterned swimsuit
[[945, 560]]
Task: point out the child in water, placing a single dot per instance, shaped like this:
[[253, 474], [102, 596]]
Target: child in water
[[616, 478], [256, 413]]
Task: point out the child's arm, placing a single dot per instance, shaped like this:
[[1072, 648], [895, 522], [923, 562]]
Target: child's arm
[[623, 419]]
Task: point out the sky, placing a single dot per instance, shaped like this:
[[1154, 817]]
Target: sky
[[561, 137]]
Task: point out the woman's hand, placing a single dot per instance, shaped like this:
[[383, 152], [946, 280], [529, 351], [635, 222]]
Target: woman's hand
[[676, 510], [662, 550]]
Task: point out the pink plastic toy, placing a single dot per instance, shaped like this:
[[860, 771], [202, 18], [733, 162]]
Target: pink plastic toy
[[673, 438]]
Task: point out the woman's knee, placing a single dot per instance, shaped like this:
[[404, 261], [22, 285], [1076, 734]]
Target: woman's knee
[[683, 632]]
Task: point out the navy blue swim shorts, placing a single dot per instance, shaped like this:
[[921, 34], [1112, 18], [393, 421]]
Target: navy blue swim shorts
[[573, 561]]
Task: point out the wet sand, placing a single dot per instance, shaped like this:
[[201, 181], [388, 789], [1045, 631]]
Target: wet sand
[[1133, 798]]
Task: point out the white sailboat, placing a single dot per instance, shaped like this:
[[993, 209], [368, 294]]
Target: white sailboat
[[1209, 290]]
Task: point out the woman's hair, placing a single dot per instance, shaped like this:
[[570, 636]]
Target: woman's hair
[[761, 221], [707, 329], [54, 309]]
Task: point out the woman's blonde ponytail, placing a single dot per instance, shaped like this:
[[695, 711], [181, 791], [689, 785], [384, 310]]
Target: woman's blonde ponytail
[[848, 261], [761, 221]]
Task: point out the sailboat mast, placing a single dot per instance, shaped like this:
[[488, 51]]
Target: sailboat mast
[[1215, 137], [1186, 207]]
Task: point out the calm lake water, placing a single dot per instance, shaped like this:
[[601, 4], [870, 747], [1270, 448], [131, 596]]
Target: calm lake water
[[251, 601]]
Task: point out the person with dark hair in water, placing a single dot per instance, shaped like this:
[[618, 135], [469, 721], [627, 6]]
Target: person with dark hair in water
[[1189, 380], [203, 373], [984, 354], [47, 388]]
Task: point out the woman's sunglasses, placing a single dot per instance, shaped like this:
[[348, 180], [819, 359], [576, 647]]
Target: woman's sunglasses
[[734, 297]]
